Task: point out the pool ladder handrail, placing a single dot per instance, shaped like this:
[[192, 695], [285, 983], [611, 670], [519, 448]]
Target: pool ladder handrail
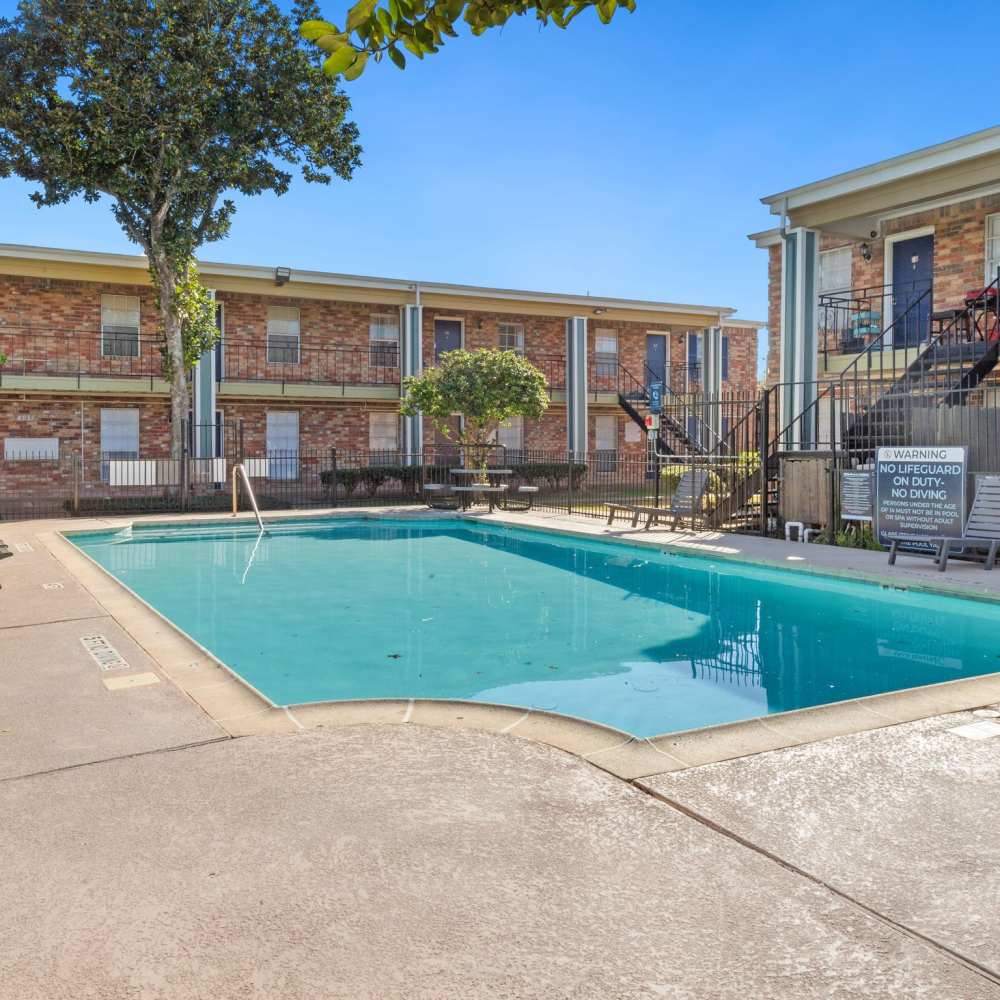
[[239, 468]]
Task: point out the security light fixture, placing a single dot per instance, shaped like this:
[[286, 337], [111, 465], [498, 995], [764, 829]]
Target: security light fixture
[[600, 311], [282, 275], [866, 253]]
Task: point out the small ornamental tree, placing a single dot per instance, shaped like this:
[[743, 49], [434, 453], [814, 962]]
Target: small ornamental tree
[[485, 387], [383, 28], [167, 108]]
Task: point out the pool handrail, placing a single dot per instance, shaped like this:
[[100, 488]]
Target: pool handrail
[[241, 470]]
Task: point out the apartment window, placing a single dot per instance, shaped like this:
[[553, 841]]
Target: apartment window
[[383, 437], [606, 442], [834, 271], [992, 247], [725, 357], [606, 353], [120, 326], [282, 335], [283, 444], [510, 436], [119, 438], [383, 340], [19, 449], [512, 337]]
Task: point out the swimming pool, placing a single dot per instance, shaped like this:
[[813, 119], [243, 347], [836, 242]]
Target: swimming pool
[[634, 638]]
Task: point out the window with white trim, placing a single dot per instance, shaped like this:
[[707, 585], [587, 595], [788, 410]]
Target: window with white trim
[[992, 247], [282, 441], [383, 340], [606, 353], [510, 436], [119, 437], [19, 449], [383, 437], [119, 326], [834, 270], [512, 337], [283, 335]]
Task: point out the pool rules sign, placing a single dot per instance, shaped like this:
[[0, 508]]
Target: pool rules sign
[[920, 492]]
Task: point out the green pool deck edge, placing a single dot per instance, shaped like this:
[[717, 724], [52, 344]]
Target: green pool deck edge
[[241, 710]]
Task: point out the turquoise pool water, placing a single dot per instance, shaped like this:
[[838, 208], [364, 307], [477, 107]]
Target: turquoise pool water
[[643, 641]]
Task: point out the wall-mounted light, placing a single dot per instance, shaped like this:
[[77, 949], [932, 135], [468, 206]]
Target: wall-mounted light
[[599, 311], [866, 253], [282, 275]]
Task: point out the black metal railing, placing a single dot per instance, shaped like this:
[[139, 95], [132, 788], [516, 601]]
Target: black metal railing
[[30, 351], [850, 321]]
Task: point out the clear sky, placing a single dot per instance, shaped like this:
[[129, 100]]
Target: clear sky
[[625, 160]]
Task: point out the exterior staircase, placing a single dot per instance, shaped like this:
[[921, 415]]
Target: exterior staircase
[[673, 438]]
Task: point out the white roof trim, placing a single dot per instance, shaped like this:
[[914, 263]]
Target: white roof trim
[[766, 238], [919, 161], [210, 268]]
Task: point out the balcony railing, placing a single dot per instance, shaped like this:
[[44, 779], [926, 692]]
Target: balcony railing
[[70, 354], [295, 364], [850, 321]]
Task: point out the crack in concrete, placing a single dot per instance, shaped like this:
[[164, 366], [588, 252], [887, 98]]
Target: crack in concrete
[[949, 953]]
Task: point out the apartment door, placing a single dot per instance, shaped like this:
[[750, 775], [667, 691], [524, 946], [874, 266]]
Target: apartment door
[[282, 444], [447, 336], [912, 276], [656, 358]]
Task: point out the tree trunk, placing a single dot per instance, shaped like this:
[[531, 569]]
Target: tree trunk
[[173, 333]]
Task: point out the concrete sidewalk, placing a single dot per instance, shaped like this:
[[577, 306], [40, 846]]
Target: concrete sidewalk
[[389, 862]]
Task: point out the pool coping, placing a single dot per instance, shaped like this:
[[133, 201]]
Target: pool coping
[[241, 710]]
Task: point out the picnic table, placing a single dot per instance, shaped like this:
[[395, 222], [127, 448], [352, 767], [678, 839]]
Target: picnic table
[[488, 491]]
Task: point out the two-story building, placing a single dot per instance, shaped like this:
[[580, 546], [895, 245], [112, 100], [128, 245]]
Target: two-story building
[[309, 360]]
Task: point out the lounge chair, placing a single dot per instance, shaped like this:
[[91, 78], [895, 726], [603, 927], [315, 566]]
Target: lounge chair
[[981, 535], [684, 503]]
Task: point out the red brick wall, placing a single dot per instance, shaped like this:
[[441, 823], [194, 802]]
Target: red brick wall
[[959, 259]]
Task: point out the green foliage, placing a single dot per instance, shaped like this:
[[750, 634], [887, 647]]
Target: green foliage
[[3, 358], [194, 309], [553, 474], [854, 537], [166, 108], [382, 28], [487, 387]]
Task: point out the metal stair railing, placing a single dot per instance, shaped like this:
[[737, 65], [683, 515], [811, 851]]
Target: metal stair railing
[[239, 470]]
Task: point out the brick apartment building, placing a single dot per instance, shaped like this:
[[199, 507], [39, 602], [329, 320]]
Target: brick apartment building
[[868, 266], [311, 361]]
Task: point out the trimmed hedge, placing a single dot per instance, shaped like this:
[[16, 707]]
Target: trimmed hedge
[[409, 477]]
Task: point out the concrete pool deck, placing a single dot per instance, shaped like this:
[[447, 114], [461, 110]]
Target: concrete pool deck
[[151, 853]]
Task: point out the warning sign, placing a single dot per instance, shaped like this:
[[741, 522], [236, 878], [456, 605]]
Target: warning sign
[[920, 492]]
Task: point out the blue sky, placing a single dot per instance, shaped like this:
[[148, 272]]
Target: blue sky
[[625, 160]]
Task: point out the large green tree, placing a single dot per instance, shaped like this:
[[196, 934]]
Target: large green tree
[[485, 388], [166, 108], [383, 28]]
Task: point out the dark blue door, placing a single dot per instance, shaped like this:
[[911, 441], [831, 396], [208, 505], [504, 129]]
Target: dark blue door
[[912, 276], [656, 358], [447, 336]]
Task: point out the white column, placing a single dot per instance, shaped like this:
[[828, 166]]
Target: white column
[[411, 362], [799, 339], [576, 385], [711, 349]]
